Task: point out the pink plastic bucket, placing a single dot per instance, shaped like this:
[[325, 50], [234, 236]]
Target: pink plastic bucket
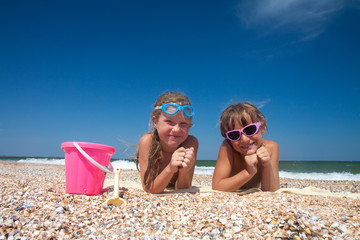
[[82, 176]]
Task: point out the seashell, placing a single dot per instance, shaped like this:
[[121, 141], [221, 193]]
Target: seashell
[[343, 228], [335, 225]]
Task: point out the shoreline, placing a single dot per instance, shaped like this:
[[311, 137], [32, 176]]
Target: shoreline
[[34, 205]]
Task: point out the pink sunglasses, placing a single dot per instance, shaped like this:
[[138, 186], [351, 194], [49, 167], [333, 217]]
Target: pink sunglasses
[[248, 130]]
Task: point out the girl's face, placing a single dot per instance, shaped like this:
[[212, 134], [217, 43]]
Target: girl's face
[[248, 145], [172, 129]]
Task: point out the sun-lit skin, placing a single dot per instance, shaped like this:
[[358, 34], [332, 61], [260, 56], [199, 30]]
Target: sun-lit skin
[[172, 130], [248, 145], [178, 151], [247, 162]]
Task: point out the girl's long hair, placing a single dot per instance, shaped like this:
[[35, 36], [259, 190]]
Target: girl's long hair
[[155, 158]]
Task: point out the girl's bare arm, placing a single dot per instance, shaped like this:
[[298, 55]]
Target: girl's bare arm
[[270, 173], [186, 172], [163, 179], [221, 178]]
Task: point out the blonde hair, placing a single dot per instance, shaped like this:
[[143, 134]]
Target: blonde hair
[[154, 161], [239, 113]]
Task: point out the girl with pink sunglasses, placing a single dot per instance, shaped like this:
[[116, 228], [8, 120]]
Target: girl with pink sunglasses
[[167, 154], [245, 160]]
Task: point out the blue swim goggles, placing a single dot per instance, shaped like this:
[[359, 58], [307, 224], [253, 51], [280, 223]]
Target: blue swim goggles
[[173, 108]]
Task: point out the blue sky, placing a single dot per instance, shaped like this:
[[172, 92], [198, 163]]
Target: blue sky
[[91, 70]]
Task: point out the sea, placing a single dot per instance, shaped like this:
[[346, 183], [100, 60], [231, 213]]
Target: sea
[[315, 170]]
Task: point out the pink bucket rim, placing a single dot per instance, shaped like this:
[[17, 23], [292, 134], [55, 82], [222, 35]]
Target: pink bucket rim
[[107, 148]]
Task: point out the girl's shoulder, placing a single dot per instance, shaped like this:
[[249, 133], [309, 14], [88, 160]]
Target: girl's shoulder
[[226, 148], [190, 141], [145, 139], [191, 138], [226, 144], [271, 145]]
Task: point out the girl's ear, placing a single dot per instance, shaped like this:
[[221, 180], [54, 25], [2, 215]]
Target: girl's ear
[[154, 121], [263, 128]]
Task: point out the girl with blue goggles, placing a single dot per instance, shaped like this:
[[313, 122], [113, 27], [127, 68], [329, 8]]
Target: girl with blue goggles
[[166, 155]]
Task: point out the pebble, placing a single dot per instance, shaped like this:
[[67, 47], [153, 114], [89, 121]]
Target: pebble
[[35, 206]]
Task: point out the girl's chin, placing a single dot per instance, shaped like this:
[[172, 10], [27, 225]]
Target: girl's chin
[[174, 143], [175, 140], [248, 151]]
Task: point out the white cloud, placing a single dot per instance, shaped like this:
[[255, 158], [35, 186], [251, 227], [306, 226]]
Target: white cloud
[[258, 103], [306, 18], [261, 104]]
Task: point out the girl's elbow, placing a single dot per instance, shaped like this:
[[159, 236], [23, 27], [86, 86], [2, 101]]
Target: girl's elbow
[[151, 190], [275, 188], [217, 187], [183, 186], [271, 189], [214, 186]]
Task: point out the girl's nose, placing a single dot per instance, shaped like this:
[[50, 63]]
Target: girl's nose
[[244, 138], [176, 127]]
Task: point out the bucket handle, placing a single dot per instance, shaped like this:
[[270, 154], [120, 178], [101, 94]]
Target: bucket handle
[[105, 169]]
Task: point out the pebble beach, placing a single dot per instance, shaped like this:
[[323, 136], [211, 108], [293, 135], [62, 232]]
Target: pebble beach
[[34, 205]]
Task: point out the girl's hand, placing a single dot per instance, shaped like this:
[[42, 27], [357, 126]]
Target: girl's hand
[[177, 159], [264, 156], [189, 159], [251, 163]]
